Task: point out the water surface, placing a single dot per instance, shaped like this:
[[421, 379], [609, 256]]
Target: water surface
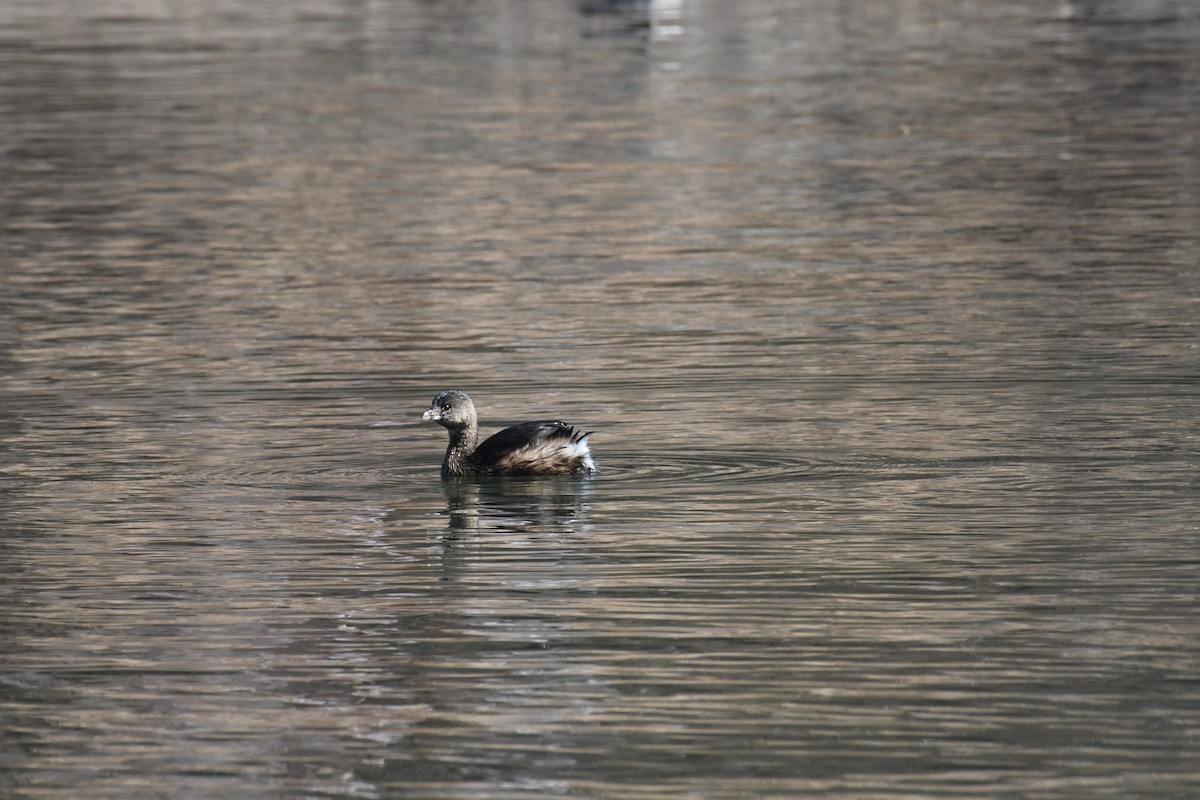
[[885, 317]]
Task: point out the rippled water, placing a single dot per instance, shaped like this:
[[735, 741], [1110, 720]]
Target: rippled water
[[885, 316]]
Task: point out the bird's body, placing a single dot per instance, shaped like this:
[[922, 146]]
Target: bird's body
[[547, 447]]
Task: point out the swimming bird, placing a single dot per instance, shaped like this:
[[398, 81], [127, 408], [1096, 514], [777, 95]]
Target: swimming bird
[[547, 447]]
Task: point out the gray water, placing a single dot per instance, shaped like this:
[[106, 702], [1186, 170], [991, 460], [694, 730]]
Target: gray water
[[885, 316]]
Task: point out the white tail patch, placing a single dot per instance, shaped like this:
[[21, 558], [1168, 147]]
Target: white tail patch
[[583, 452]]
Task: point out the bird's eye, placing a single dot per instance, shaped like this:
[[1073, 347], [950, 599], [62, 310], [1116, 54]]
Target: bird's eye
[[445, 408]]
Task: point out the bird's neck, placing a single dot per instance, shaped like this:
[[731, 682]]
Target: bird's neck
[[458, 452]]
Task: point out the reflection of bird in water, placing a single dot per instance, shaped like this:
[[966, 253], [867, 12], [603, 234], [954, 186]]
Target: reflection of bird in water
[[531, 448], [544, 506]]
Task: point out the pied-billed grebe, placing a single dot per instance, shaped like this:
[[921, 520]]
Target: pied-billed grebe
[[531, 448]]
